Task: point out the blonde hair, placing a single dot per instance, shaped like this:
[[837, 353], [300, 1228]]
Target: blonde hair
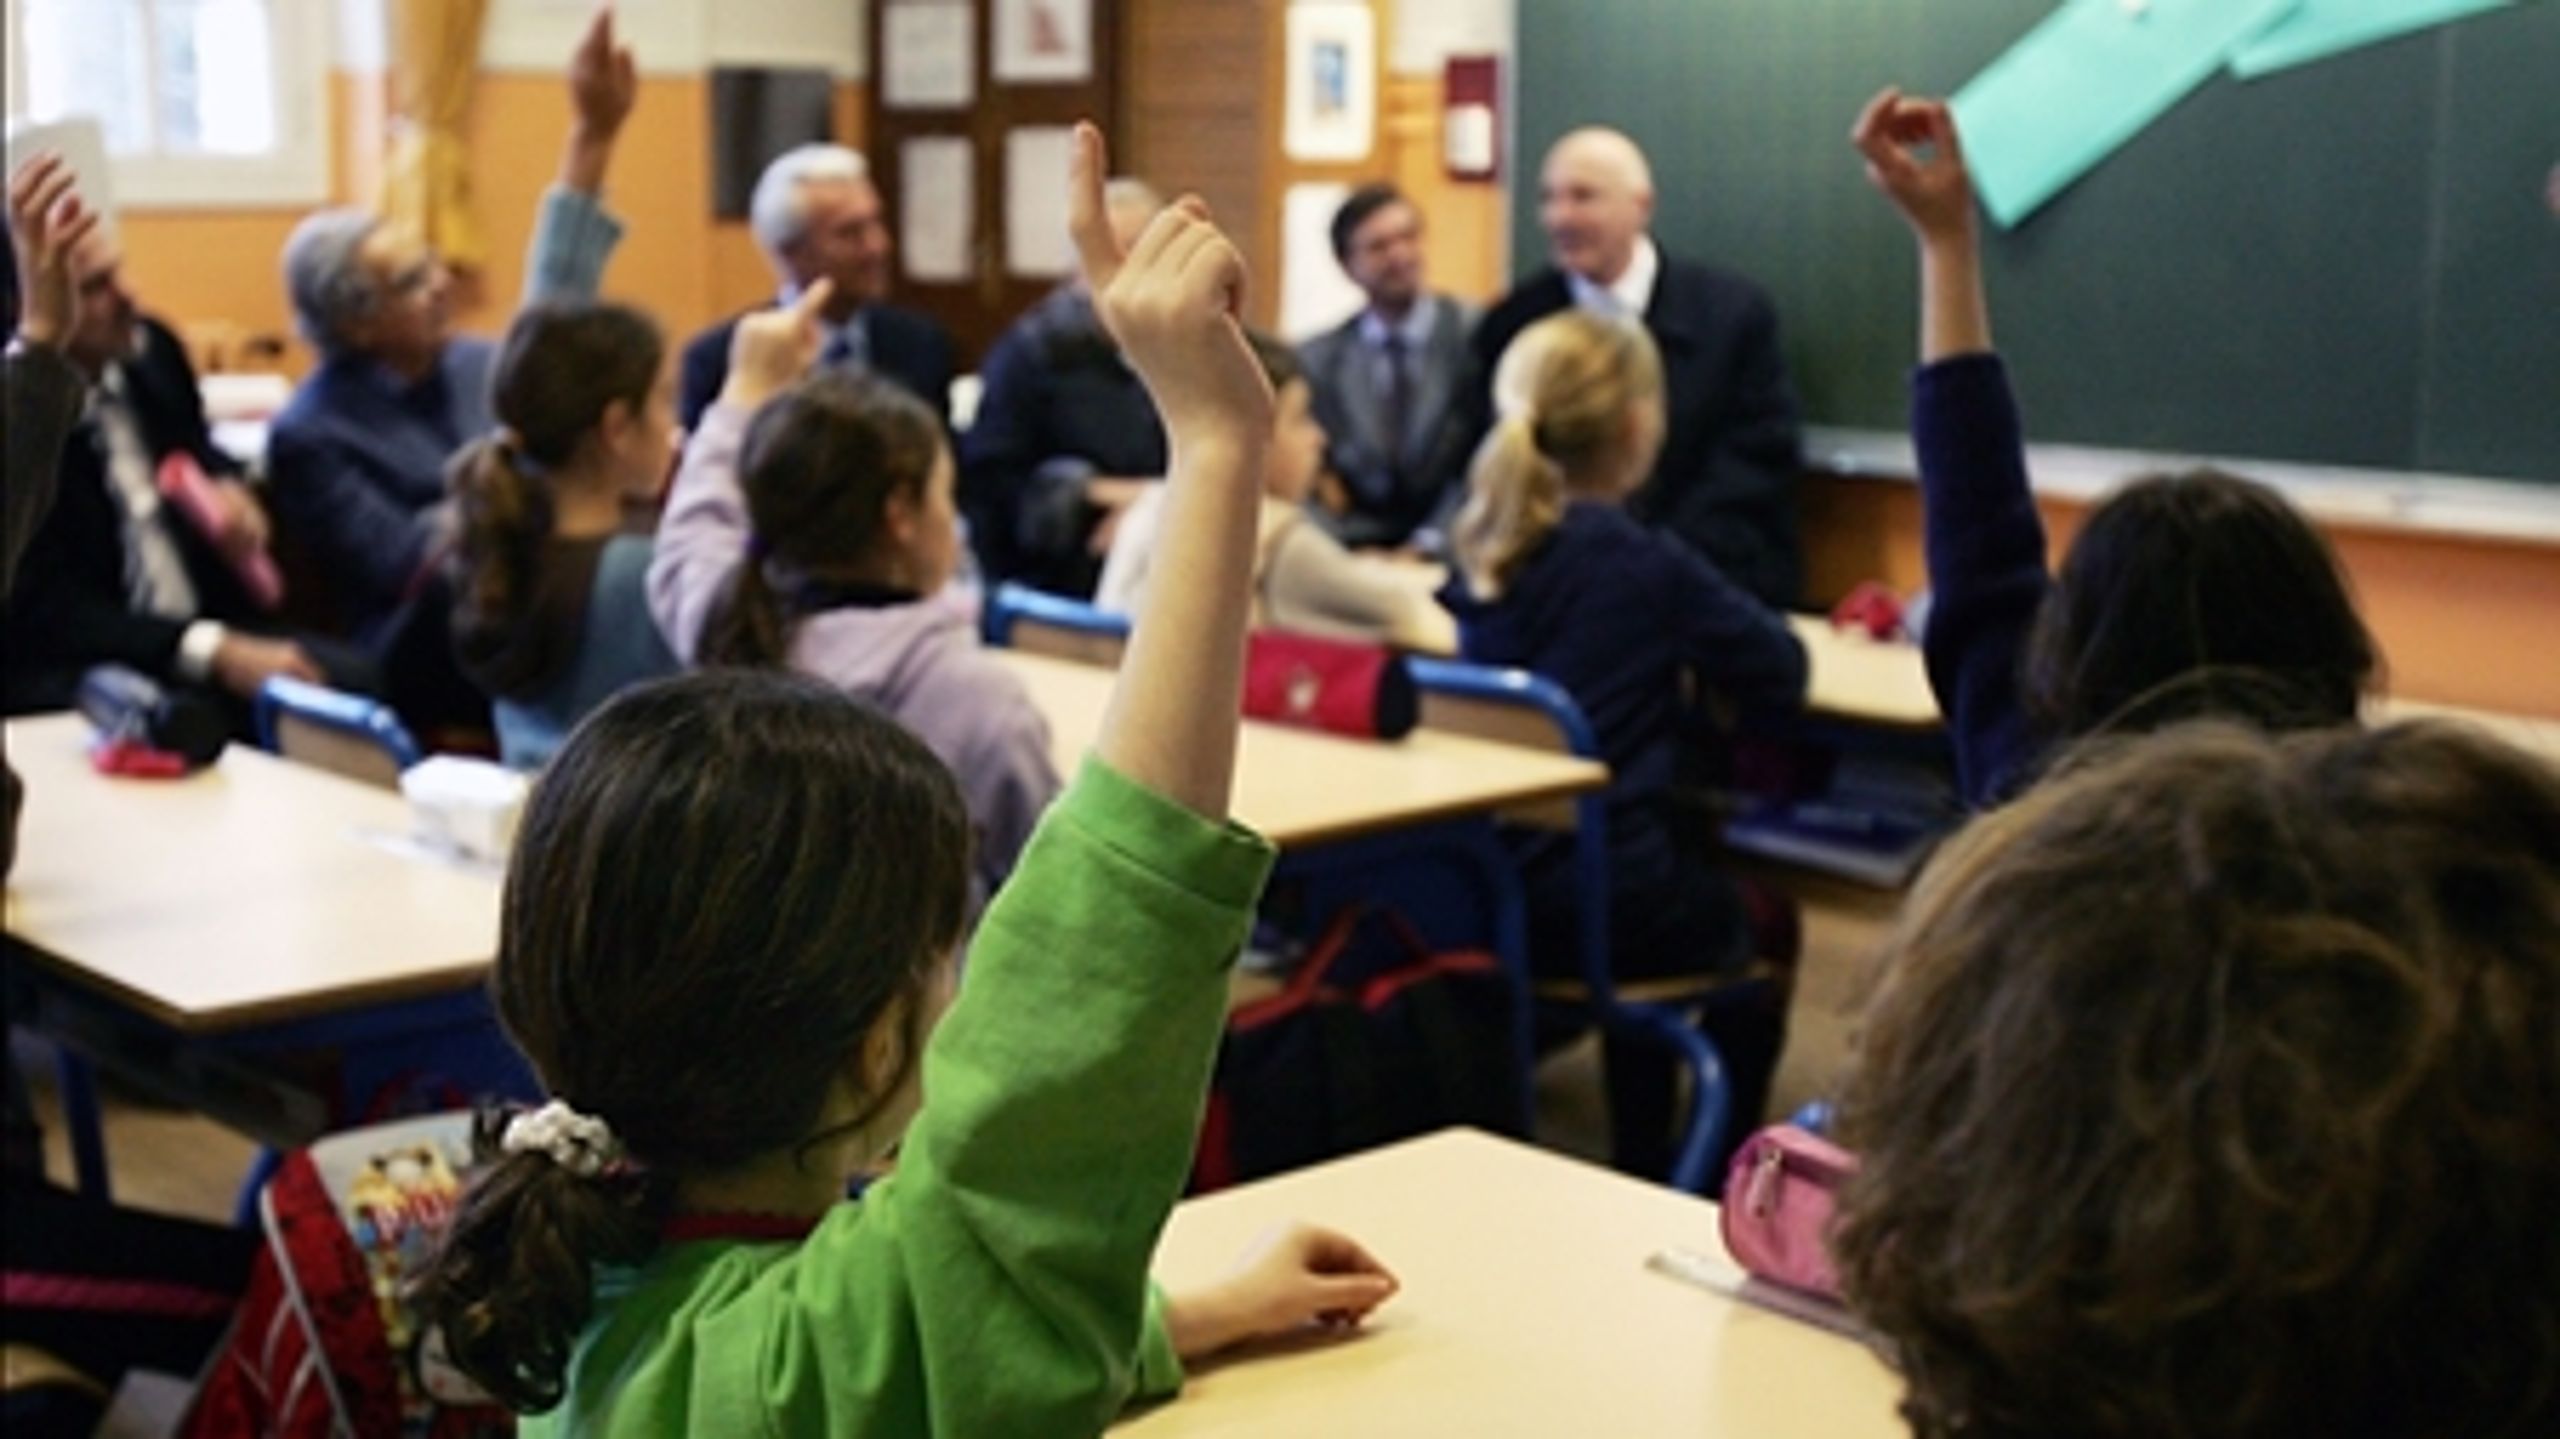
[[1562, 392]]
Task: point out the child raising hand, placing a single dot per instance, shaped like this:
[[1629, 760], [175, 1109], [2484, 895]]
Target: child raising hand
[[726, 949]]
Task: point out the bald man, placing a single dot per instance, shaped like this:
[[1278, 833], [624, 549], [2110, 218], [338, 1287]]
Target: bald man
[[1065, 438], [1726, 480]]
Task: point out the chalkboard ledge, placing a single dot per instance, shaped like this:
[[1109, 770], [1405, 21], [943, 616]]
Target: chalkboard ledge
[[2456, 505]]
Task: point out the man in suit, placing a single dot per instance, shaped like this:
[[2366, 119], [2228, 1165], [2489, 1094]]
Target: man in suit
[[1726, 479], [1387, 383], [1066, 439], [817, 216], [115, 574]]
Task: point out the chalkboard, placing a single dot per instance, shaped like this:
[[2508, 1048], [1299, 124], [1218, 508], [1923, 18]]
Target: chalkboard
[[2347, 263]]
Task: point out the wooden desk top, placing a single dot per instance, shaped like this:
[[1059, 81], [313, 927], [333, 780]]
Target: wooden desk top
[[244, 894], [1526, 1309], [1881, 682], [1299, 787]]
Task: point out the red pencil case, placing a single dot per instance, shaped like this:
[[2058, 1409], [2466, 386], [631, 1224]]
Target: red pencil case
[[1362, 690]]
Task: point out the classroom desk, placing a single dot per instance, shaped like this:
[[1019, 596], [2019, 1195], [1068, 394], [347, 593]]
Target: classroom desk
[[191, 930], [1526, 1309], [245, 894], [1853, 678], [1300, 788]]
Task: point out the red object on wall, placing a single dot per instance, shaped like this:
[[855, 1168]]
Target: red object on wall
[[1471, 117]]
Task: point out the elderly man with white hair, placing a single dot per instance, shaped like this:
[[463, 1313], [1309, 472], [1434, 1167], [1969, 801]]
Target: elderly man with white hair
[[356, 460], [1725, 482], [817, 216]]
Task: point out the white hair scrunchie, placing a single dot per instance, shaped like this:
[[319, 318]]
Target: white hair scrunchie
[[579, 1143]]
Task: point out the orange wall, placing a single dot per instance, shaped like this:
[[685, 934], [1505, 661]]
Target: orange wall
[[2460, 621], [215, 273]]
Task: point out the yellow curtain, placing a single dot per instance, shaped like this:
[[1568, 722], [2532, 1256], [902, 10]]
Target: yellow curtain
[[435, 58]]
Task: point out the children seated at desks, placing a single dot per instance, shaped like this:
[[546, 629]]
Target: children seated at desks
[[551, 614], [2212, 1087], [1554, 576], [812, 526], [727, 945], [2185, 594], [1303, 578]]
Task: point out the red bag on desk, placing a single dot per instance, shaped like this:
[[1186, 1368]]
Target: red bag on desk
[[1363, 690], [1376, 1037]]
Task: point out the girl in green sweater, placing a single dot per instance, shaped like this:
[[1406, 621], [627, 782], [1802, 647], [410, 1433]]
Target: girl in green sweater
[[728, 934]]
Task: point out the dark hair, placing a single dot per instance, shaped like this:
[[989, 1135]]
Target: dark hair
[[2213, 1087], [559, 369], [2193, 594], [1356, 209], [724, 885], [818, 466], [1280, 363]]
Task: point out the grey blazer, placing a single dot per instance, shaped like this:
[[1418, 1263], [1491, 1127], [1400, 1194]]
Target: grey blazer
[[1343, 380]]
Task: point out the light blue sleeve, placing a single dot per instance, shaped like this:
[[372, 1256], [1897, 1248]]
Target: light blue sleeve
[[573, 236]]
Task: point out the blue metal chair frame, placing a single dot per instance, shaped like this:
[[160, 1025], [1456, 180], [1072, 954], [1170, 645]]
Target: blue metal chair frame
[[1012, 603], [1653, 1022], [354, 715]]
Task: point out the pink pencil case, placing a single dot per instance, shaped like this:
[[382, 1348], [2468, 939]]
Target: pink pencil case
[[183, 483], [1778, 1200]]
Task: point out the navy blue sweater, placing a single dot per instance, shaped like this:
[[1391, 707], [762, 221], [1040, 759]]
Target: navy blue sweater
[[1621, 616], [1986, 567]]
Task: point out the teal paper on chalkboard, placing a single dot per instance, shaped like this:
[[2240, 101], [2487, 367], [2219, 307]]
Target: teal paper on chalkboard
[[2086, 81], [2322, 28]]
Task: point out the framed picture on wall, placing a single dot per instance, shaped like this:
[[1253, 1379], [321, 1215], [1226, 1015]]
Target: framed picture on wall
[[1331, 93], [1043, 41]]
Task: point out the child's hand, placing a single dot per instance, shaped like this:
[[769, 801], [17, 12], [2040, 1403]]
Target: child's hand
[[1935, 191], [47, 222], [603, 82], [1297, 1277], [1174, 303], [772, 349]]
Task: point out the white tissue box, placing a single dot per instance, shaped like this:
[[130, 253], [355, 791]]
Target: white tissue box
[[466, 806]]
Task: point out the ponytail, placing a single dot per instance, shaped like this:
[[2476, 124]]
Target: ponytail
[[1566, 389], [513, 1283], [505, 516], [749, 627], [559, 369], [1515, 495]]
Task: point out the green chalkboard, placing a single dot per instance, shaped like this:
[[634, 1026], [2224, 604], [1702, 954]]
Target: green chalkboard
[[2348, 263]]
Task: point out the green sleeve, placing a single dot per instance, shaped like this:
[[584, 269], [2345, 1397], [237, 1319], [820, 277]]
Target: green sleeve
[[1159, 1368], [997, 1283]]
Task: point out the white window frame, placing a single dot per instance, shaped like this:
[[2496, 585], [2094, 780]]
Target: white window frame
[[293, 175]]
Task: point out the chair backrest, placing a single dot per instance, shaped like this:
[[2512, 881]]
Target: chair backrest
[[345, 734], [1018, 617], [1514, 706]]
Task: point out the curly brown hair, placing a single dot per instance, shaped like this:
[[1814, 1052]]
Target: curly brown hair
[[2213, 1088]]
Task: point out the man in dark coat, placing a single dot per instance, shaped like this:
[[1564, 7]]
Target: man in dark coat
[[1726, 479]]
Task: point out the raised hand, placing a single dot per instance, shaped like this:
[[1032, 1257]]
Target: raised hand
[[772, 349], [1915, 157], [1298, 1278], [47, 223], [603, 81], [1175, 303]]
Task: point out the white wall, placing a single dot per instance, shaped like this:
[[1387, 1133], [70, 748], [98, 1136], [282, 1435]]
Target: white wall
[[1428, 32], [684, 36]]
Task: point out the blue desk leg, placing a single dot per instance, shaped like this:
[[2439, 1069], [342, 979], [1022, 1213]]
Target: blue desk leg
[[80, 1116]]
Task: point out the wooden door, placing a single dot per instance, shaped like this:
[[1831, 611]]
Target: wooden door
[[964, 94]]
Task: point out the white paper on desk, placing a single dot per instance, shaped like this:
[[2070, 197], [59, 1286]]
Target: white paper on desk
[[936, 214], [1314, 293], [928, 56], [1036, 246], [1043, 41]]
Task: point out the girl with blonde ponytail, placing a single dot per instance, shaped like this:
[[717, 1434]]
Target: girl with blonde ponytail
[[550, 617], [1554, 577]]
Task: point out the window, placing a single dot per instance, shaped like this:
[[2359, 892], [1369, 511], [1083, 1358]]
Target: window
[[211, 103]]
